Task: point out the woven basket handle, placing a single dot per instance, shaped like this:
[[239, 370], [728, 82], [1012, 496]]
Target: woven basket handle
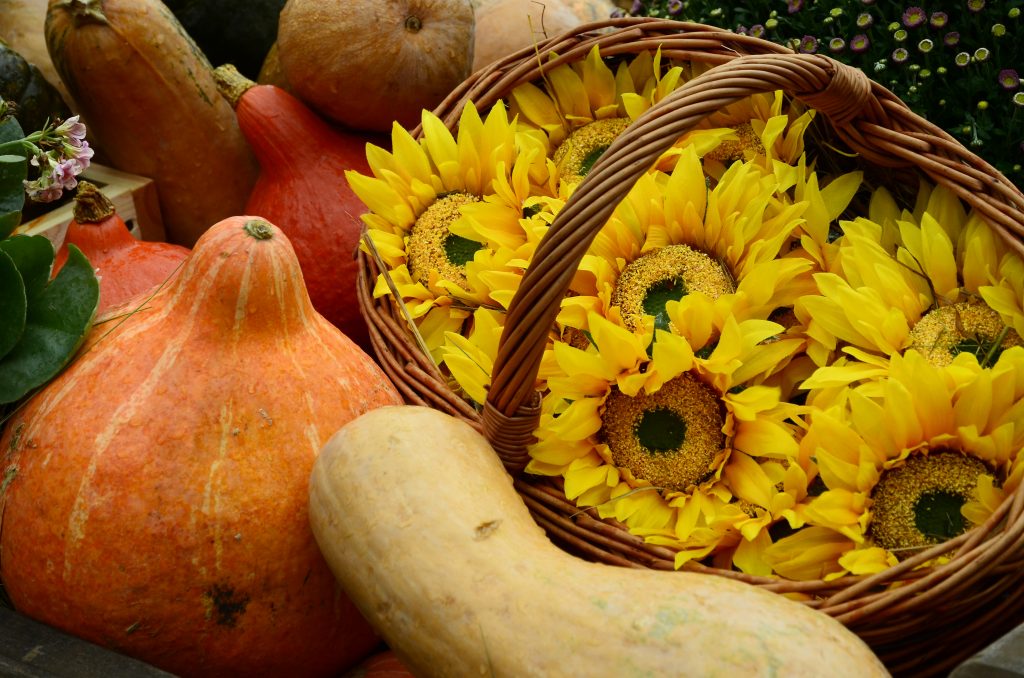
[[863, 114]]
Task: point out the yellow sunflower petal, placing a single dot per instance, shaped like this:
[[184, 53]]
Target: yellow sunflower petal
[[582, 477], [621, 350], [811, 553], [641, 508], [672, 356], [600, 82], [840, 510], [586, 367], [938, 258], [685, 555], [987, 498], [381, 198], [410, 158], [441, 146], [747, 480], [578, 422], [748, 403], [863, 561], [749, 555], [763, 437], [570, 93], [552, 457]]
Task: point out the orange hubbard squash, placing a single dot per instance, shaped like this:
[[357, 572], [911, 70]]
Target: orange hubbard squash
[[125, 266], [302, 189], [155, 494]]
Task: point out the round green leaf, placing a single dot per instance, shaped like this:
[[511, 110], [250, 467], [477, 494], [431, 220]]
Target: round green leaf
[[33, 255], [13, 171], [57, 322], [13, 304], [10, 129]]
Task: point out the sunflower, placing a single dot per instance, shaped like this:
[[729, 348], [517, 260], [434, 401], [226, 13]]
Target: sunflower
[[767, 128], [419, 190], [672, 236], [908, 461], [659, 434], [937, 280], [581, 107], [576, 94]]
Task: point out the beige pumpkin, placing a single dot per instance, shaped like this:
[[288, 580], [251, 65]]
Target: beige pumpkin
[[366, 63], [424, 530], [506, 26]]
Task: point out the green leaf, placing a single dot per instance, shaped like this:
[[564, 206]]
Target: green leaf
[[13, 171], [56, 325], [10, 129], [33, 255], [13, 304]]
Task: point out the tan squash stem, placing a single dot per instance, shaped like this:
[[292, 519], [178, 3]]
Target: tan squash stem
[[85, 11], [231, 84], [91, 206]]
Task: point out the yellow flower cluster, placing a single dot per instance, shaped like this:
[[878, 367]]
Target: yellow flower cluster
[[757, 365]]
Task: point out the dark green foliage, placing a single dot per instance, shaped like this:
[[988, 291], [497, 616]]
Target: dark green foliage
[[22, 84], [231, 31]]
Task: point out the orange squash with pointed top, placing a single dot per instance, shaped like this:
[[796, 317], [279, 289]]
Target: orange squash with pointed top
[[302, 189], [155, 494]]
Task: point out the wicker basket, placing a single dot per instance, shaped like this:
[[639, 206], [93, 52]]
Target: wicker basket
[[937, 616]]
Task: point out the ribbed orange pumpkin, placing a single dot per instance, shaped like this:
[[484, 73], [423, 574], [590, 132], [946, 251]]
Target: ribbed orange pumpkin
[[155, 495]]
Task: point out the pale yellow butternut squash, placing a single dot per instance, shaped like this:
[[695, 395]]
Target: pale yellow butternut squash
[[421, 525]]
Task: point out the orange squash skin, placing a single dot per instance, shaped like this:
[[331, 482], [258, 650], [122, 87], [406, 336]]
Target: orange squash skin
[[147, 94], [125, 266], [302, 189], [155, 496]]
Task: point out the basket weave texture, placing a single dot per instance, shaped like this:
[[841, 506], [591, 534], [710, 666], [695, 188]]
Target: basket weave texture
[[935, 617]]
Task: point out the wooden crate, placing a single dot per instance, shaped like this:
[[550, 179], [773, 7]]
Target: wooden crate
[[134, 198]]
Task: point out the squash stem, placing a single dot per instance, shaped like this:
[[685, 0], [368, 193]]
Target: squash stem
[[84, 11], [91, 206], [259, 229], [231, 84]]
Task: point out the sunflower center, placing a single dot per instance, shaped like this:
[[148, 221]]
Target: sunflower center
[[657, 298], [918, 504], [432, 247], [459, 250], [967, 327], [576, 156], [648, 284], [937, 514], [661, 430], [670, 438]]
